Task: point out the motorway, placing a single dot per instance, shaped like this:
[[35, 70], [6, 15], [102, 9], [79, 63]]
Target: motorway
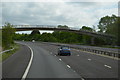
[[15, 65], [46, 64]]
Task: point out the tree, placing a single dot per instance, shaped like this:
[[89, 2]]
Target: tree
[[60, 26], [48, 37], [87, 28], [7, 35], [118, 35], [86, 38], [67, 37], [109, 25], [113, 29], [35, 32], [106, 22]]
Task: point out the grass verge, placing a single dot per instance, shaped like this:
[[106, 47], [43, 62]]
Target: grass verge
[[5, 55]]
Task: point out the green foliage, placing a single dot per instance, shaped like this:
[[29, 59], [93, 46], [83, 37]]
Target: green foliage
[[87, 28], [66, 37], [34, 32], [86, 38], [5, 55], [106, 22], [7, 35], [60, 26], [35, 35], [56, 36], [113, 28], [47, 37], [99, 41], [109, 25]]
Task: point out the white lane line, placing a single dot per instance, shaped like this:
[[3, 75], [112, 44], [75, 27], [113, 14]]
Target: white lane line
[[28, 67], [107, 66], [82, 79], [68, 66], [60, 59], [89, 59], [74, 71]]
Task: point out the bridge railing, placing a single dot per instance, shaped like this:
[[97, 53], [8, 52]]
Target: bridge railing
[[34, 26]]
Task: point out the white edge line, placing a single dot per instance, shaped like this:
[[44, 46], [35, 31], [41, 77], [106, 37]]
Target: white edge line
[[30, 62], [60, 59], [107, 66], [74, 71], [89, 59], [82, 79]]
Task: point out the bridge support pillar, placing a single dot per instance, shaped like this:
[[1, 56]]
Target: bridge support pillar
[[93, 41]]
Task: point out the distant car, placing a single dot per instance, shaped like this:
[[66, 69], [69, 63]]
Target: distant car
[[64, 50], [33, 40]]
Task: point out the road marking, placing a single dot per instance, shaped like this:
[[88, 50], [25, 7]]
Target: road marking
[[28, 67], [107, 66], [60, 59], [74, 71], [78, 55], [68, 66], [89, 59], [82, 79]]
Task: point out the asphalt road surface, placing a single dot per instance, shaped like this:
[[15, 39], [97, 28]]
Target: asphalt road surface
[[46, 64], [15, 65]]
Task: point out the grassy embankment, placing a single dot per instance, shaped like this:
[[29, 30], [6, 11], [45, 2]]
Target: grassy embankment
[[5, 55]]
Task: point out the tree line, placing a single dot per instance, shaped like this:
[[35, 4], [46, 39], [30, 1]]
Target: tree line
[[107, 25]]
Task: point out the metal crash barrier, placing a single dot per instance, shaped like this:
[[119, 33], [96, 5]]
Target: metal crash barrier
[[102, 52]]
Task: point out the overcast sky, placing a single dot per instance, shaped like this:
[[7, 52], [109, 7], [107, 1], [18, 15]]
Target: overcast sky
[[73, 14]]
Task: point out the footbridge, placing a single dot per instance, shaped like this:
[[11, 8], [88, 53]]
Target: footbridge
[[55, 28]]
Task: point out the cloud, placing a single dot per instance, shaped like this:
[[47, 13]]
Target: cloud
[[59, 0], [75, 14]]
